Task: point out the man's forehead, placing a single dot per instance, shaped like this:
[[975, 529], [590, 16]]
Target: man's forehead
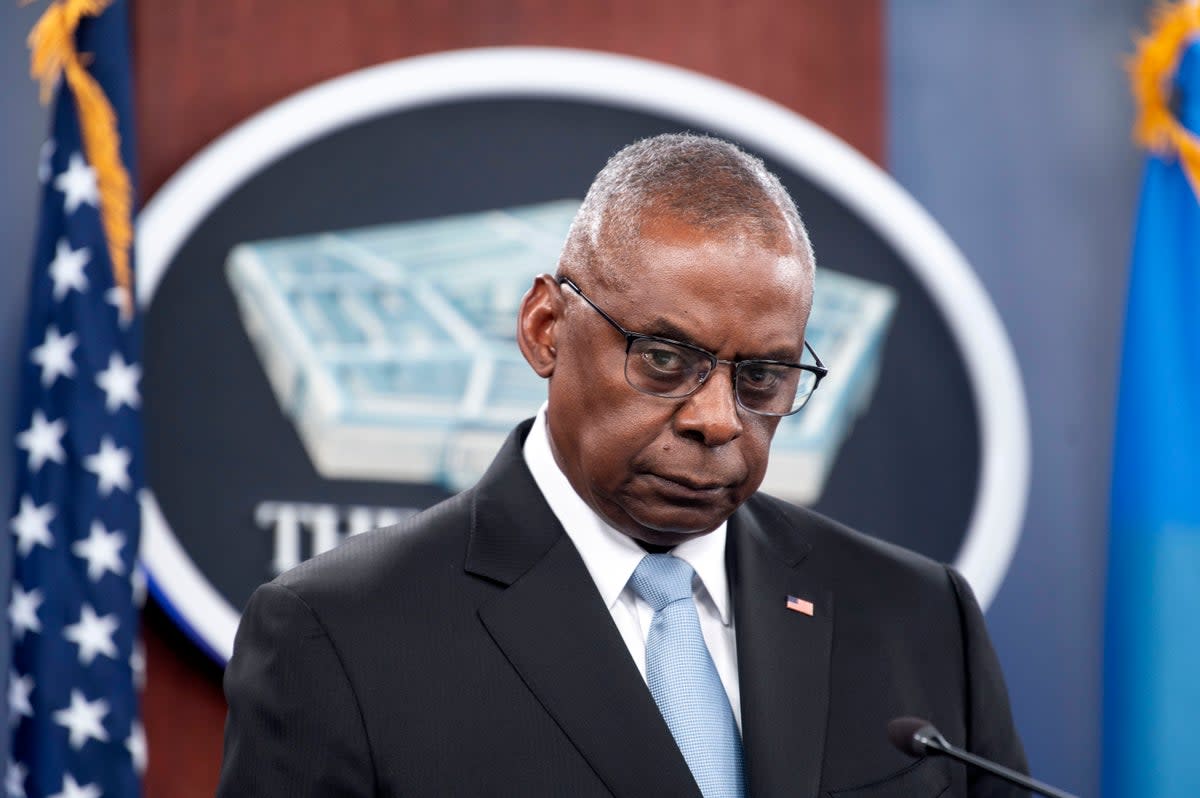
[[754, 308], [741, 229], [625, 264]]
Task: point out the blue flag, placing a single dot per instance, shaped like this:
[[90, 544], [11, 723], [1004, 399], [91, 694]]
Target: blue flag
[[1152, 647], [75, 519]]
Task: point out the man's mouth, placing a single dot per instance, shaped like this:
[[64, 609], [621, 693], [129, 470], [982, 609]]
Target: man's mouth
[[687, 488]]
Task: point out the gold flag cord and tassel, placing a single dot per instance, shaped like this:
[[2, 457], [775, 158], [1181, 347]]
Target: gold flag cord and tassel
[[53, 56], [1151, 72]]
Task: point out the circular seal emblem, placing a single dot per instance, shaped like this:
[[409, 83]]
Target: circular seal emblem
[[331, 288]]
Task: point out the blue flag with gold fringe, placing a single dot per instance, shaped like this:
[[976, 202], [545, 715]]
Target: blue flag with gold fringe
[[1152, 646], [75, 516]]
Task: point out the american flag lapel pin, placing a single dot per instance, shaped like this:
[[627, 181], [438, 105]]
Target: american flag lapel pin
[[800, 605]]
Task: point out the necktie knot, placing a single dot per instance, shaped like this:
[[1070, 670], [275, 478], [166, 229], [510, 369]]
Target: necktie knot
[[661, 579]]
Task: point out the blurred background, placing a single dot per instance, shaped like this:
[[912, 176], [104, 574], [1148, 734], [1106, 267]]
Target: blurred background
[[1009, 122]]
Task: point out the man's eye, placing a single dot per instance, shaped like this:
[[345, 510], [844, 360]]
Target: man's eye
[[663, 359], [759, 377]]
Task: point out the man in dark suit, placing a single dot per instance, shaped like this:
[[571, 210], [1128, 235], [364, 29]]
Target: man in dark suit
[[613, 609]]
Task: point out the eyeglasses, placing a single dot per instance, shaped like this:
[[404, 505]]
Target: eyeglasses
[[673, 369]]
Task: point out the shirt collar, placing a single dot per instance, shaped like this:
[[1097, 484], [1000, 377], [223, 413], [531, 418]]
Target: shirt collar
[[609, 555]]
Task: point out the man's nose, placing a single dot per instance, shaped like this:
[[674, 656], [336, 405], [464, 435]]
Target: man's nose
[[710, 415]]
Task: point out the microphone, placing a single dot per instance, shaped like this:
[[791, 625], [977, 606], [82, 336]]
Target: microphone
[[918, 737]]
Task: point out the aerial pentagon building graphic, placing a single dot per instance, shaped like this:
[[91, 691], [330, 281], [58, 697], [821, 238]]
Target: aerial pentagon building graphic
[[393, 348]]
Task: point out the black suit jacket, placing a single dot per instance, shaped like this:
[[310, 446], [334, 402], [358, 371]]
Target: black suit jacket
[[468, 652]]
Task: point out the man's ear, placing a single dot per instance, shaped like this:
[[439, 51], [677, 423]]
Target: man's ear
[[538, 324]]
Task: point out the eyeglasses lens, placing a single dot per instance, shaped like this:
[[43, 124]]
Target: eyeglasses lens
[[663, 369], [659, 368]]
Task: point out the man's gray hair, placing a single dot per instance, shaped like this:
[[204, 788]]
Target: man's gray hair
[[702, 181]]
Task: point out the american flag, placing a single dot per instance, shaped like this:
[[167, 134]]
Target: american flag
[[75, 516], [802, 606]]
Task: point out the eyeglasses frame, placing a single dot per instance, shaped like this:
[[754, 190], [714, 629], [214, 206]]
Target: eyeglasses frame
[[817, 369]]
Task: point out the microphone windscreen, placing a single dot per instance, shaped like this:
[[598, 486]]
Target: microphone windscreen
[[902, 732]]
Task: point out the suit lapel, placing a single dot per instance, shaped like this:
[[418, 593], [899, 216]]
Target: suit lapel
[[783, 655], [553, 627]]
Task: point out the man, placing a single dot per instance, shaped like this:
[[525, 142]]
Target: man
[[613, 609]]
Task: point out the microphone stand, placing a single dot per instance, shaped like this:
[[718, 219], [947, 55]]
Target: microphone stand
[[931, 739]]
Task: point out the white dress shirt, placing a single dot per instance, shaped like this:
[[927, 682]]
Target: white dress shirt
[[611, 558]]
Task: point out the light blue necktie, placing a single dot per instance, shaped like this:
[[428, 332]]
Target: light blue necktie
[[684, 680]]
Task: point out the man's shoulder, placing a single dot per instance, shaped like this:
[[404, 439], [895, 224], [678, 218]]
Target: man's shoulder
[[420, 548], [835, 544], [878, 586]]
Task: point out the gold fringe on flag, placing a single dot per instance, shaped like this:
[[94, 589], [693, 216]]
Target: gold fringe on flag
[[1151, 71], [53, 55]]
